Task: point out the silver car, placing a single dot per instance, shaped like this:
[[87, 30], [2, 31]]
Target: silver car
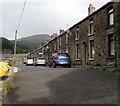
[[39, 61]]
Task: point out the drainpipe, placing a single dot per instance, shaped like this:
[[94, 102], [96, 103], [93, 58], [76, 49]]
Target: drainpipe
[[57, 44]]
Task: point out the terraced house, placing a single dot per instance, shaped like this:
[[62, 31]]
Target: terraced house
[[95, 40]]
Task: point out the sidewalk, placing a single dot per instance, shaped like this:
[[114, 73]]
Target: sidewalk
[[0, 93]]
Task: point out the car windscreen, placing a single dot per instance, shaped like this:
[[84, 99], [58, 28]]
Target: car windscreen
[[40, 58], [63, 54]]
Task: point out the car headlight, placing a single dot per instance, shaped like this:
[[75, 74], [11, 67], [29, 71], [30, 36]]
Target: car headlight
[[2, 67]]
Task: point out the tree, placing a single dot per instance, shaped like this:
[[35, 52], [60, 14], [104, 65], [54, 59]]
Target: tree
[[6, 45]]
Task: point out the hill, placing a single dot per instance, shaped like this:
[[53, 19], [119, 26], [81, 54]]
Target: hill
[[5, 46], [24, 45], [28, 44]]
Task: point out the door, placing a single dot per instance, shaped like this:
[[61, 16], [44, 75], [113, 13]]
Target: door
[[84, 54]]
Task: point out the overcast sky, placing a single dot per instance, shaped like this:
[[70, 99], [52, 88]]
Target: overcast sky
[[42, 16]]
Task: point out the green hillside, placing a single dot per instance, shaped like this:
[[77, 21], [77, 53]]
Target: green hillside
[[5, 46], [27, 44]]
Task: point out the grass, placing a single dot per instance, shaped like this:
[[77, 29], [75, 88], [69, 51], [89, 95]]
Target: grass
[[7, 85], [112, 69], [101, 68], [0, 84], [88, 67], [6, 88]]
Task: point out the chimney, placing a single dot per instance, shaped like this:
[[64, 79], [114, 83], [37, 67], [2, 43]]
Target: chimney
[[91, 9], [54, 35], [61, 31]]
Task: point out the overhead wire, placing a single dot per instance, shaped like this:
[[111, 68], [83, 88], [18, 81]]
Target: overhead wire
[[21, 15], [19, 22]]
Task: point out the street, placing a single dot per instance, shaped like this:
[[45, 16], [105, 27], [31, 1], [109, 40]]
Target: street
[[44, 85]]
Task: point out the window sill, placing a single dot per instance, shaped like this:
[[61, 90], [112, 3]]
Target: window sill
[[77, 59], [76, 39], [110, 57], [91, 59], [109, 27], [91, 34]]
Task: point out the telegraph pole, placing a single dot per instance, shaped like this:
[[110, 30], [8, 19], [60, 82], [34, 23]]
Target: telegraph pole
[[17, 30], [15, 45]]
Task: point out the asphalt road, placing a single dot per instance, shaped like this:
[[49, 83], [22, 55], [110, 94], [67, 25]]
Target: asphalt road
[[44, 85]]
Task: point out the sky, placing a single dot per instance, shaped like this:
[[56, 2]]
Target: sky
[[42, 16]]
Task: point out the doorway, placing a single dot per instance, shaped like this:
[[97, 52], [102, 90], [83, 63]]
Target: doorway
[[84, 53]]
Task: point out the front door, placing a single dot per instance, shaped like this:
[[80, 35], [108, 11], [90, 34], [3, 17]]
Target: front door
[[84, 54]]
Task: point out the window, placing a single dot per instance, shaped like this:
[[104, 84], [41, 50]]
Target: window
[[77, 51], [77, 34], [66, 38], [110, 17], [92, 50], [91, 27], [111, 45]]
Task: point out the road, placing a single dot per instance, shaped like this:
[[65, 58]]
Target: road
[[44, 85]]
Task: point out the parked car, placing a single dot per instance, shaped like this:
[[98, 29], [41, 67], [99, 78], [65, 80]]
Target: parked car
[[29, 62], [4, 69], [39, 61], [60, 59]]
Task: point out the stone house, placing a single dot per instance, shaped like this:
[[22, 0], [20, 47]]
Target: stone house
[[93, 41], [96, 37]]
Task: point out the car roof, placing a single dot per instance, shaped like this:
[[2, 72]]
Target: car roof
[[40, 58], [60, 53]]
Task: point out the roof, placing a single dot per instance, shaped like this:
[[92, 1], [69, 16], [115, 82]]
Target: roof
[[104, 6]]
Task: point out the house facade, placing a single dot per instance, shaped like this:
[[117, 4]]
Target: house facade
[[93, 41]]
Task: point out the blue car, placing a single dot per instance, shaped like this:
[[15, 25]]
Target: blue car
[[60, 59]]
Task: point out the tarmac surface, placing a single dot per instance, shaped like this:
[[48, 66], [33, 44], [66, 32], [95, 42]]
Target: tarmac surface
[[44, 85]]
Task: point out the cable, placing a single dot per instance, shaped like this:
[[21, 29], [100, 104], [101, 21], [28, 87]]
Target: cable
[[21, 15], [17, 29]]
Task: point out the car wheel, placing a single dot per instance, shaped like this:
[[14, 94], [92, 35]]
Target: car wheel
[[35, 64], [49, 65], [54, 65], [69, 66], [3, 77]]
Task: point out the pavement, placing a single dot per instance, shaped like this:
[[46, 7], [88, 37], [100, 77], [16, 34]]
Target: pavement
[[44, 85], [0, 96]]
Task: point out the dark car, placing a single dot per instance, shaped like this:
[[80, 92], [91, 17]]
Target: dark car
[[60, 59]]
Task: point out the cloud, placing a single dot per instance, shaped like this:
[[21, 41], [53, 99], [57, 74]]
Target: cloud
[[42, 16]]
